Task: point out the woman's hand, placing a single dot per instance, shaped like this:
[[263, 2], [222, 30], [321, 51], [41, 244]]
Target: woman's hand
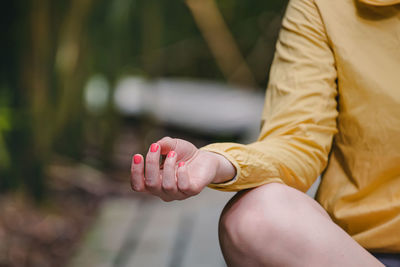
[[184, 173]]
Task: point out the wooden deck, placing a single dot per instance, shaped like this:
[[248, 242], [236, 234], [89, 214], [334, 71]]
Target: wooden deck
[[149, 232]]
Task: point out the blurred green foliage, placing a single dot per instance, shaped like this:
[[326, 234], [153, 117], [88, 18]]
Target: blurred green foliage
[[49, 50]]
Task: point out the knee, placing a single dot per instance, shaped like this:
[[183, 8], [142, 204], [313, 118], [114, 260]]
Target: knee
[[266, 216], [251, 212]]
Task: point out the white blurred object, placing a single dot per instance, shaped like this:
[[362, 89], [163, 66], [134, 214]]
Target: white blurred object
[[207, 107], [130, 95], [96, 94]]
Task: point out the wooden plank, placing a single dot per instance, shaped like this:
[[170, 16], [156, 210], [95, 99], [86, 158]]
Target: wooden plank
[[156, 243], [103, 242], [203, 249], [154, 233], [178, 233]]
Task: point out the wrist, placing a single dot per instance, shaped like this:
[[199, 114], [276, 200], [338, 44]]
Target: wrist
[[225, 170]]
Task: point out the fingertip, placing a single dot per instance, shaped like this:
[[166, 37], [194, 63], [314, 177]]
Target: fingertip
[[137, 159], [154, 147], [181, 168], [171, 154], [137, 178]]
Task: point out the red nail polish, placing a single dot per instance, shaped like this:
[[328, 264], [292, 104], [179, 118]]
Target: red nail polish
[[154, 147], [181, 164], [171, 154], [137, 159]]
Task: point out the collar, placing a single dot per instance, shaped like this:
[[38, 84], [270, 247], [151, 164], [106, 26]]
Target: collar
[[381, 2]]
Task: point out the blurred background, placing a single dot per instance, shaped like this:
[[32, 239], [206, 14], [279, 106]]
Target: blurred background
[[85, 84]]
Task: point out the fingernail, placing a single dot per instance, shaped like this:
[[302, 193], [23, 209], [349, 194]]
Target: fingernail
[[137, 159], [154, 147], [181, 164], [171, 154]]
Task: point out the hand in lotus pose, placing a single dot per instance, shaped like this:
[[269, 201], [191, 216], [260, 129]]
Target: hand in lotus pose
[[184, 173]]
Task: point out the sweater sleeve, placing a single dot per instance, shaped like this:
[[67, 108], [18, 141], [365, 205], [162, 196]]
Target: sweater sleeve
[[299, 116]]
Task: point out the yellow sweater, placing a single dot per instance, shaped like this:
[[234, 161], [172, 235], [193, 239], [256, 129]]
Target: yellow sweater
[[333, 104]]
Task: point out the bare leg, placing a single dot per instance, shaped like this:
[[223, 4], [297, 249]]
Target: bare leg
[[276, 225]]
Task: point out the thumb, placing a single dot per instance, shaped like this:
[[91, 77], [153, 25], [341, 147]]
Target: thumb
[[184, 149], [167, 144]]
